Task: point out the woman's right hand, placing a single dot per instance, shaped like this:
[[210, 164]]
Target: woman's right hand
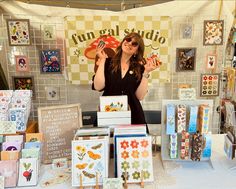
[[100, 51]]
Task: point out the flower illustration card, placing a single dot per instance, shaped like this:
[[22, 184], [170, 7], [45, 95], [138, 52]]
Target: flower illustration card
[[134, 159], [89, 162], [9, 170], [113, 103], [28, 172]]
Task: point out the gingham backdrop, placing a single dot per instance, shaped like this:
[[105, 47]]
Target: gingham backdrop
[[87, 28]]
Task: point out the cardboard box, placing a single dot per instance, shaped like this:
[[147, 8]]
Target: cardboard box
[[114, 118]]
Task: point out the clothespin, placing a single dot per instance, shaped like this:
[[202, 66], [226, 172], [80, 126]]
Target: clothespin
[[142, 183], [125, 183], [81, 181], [97, 186]]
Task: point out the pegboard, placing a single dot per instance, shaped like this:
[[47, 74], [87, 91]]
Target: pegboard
[[41, 81]]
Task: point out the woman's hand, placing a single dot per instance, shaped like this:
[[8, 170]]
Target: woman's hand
[[100, 52], [152, 64]]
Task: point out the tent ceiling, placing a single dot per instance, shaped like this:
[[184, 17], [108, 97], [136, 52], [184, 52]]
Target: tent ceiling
[[112, 5]]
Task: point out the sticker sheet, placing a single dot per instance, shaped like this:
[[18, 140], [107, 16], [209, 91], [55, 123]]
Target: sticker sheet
[[134, 159], [89, 160]]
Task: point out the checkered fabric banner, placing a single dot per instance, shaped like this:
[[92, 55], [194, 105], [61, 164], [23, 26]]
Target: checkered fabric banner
[[82, 34]]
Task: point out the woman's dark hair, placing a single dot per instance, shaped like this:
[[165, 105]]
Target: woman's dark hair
[[135, 61]]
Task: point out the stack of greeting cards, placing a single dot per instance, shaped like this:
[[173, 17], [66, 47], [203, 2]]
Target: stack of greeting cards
[[90, 156], [133, 154], [14, 107], [113, 110], [20, 163]]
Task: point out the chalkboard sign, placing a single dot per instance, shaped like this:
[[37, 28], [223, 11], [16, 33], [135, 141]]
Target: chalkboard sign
[[58, 125]]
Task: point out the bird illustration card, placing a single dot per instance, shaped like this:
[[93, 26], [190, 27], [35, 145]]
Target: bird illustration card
[[9, 170], [89, 162], [134, 159], [28, 172], [113, 103]]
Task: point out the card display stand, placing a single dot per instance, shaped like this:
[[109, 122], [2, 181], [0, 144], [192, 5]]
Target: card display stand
[[165, 139]]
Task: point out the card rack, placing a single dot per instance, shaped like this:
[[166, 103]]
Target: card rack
[[165, 139]]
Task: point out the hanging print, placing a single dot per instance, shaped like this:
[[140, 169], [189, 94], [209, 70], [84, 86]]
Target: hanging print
[[211, 61], [22, 64], [18, 32], [209, 85], [49, 32], [213, 31], [185, 59], [50, 61]]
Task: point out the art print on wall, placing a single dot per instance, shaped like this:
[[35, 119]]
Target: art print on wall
[[48, 32], [213, 32], [52, 93], [185, 59], [50, 61], [89, 160], [186, 31], [134, 159], [23, 83], [211, 60], [18, 32], [22, 63], [209, 85]]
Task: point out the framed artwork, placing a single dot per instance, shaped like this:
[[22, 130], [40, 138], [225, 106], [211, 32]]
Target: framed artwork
[[52, 93], [23, 83], [209, 85], [89, 162], [18, 32], [50, 61], [186, 31], [213, 32], [48, 32], [211, 60], [22, 63], [134, 159], [185, 59]]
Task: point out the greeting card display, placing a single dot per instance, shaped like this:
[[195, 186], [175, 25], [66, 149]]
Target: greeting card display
[[50, 61], [28, 172], [9, 170], [213, 32], [134, 159], [113, 103], [22, 63], [89, 162], [18, 32], [209, 85]]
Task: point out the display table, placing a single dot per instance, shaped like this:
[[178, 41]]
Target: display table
[[218, 173]]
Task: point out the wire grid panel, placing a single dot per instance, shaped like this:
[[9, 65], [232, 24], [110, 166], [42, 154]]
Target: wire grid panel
[[42, 81]]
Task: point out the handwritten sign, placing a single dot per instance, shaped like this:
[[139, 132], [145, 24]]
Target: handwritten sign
[[58, 125]]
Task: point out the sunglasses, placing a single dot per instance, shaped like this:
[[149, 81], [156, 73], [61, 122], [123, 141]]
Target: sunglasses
[[134, 43]]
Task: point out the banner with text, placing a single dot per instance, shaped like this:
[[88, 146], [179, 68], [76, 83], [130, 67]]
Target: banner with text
[[82, 34]]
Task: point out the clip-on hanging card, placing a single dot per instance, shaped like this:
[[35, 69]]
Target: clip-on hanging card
[[184, 152], [173, 146], [196, 147], [181, 118], [204, 117]]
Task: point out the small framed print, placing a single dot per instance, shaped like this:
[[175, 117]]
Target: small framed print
[[23, 83], [186, 31], [209, 85], [185, 59], [18, 32], [52, 93], [48, 32], [213, 32], [22, 63], [50, 61], [211, 61]]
